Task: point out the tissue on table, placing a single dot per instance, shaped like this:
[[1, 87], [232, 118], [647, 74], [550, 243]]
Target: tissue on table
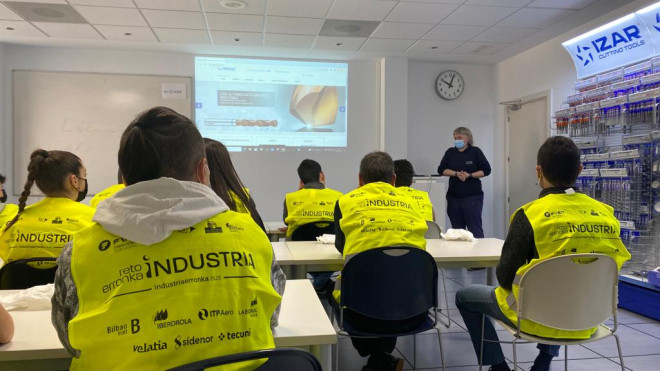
[[458, 235], [326, 238], [34, 298]]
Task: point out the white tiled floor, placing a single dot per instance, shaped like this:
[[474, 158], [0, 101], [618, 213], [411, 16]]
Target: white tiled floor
[[640, 340]]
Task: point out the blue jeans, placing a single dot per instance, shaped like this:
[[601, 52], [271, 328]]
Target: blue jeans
[[465, 213], [473, 302]]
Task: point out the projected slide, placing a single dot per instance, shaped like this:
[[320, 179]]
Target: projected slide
[[272, 105]]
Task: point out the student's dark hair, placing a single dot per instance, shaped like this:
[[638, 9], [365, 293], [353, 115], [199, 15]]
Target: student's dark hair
[[119, 177], [49, 169], [376, 167], [224, 179], [2, 178], [309, 171], [160, 142], [559, 159], [404, 173]]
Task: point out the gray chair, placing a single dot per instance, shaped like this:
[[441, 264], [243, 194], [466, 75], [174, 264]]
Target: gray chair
[[588, 282], [433, 232]]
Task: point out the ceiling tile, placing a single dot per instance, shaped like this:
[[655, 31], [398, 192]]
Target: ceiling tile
[[437, 1], [235, 22], [505, 34], [172, 19], [189, 5], [454, 32], [363, 10], [19, 28], [289, 41], [397, 30], [479, 48], [113, 3], [42, 1], [386, 45], [173, 35], [512, 3], [120, 33], [6, 13], [68, 30], [561, 4], [535, 17], [293, 25], [434, 46], [421, 12], [111, 16], [478, 15], [236, 38], [339, 43], [251, 7], [299, 8]]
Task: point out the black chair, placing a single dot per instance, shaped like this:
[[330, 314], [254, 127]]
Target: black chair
[[309, 231], [24, 273], [291, 359], [390, 284], [434, 232]]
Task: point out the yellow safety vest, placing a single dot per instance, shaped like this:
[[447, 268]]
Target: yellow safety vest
[[379, 215], [310, 205], [565, 224], [7, 213], [423, 201], [205, 291], [107, 193], [44, 228]]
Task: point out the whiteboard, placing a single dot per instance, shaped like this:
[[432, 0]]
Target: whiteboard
[[85, 113]]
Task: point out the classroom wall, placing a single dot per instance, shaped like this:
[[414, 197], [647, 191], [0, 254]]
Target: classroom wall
[[545, 67], [432, 120]]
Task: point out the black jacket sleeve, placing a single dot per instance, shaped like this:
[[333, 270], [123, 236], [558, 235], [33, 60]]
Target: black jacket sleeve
[[340, 238], [482, 163], [519, 248], [444, 163]]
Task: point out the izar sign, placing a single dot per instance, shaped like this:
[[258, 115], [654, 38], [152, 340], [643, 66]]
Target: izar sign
[[627, 40]]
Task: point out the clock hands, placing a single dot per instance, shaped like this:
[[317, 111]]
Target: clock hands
[[448, 83], [451, 83]]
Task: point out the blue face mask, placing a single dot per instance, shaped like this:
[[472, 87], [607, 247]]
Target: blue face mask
[[458, 143]]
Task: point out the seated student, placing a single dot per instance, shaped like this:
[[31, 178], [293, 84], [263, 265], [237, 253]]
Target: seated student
[[377, 203], [42, 229], [226, 183], [404, 179], [312, 202], [532, 238], [6, 326], [108, 192], [7, 211], [168, 274]]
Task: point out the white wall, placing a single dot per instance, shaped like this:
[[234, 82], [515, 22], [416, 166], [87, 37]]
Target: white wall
[[547, 66], [432, 120], [268, 177]]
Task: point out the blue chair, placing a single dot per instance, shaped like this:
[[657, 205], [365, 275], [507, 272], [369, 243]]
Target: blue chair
[[390, 284], [25, 273], [290, 359]]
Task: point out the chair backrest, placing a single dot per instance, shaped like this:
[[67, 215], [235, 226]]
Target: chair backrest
[[390, 283], [23, 273], [570, 292], [309, 231], [433, 231], [278, 359]]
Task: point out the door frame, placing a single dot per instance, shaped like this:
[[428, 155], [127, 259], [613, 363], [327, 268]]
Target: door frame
[[547, 94]]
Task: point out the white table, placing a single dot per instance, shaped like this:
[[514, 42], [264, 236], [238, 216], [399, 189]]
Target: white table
[[273, 230], [302, 323], [315, 256]]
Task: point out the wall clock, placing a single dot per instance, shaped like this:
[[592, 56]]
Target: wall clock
[[449, 85]]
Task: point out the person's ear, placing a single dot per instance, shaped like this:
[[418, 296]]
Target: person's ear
[[360, 181], [393, 182], [203, 172], [301, 185], [322, 178]]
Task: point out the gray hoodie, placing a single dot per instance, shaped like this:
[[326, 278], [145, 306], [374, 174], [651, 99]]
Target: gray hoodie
[[146, 213]]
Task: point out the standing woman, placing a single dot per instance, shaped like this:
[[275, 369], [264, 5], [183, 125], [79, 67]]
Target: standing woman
[[465, 164], [42, 229], [226, 183]]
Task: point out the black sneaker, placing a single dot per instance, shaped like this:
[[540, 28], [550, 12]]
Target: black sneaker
[[393, 363]]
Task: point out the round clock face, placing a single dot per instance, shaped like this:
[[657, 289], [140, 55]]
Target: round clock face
[[449, 85]]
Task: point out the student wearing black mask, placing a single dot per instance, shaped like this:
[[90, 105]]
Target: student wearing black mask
[[42, 229]]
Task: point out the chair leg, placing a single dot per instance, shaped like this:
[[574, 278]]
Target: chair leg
[[336, 365], [515, 358], [442, 354], [618, 346], [565, 357], [414, 352], [481, 348], [444, 288]]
